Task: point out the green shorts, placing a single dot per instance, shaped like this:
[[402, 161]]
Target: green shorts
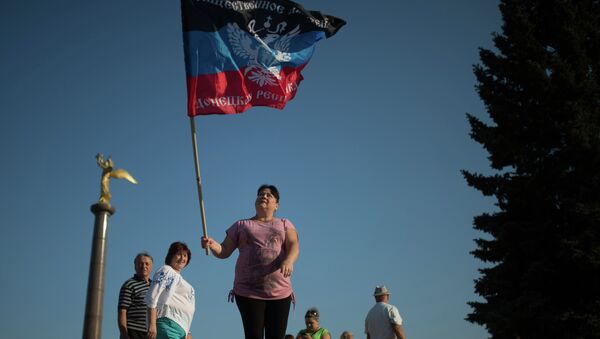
[[168, 329]]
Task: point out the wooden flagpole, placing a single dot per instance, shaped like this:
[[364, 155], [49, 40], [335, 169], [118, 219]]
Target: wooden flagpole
[[198, 182]]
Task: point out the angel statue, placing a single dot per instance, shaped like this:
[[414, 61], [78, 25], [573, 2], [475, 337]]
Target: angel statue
[[107, 173]]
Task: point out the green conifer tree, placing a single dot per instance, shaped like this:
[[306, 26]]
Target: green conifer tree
[[541, 89]]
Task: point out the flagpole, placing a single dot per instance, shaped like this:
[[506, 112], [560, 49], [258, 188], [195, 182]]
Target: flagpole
[[198, 182]]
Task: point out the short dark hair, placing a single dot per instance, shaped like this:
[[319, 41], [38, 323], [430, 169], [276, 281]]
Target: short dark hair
[[176, 247], [272, 188], [140, 255]]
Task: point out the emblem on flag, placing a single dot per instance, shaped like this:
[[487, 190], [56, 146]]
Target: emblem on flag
[[244, 53]]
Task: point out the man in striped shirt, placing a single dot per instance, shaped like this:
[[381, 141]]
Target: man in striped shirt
[[132, 309]]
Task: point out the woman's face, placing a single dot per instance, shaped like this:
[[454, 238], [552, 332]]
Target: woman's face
[[312, 324], [266, 201], [179, 261]]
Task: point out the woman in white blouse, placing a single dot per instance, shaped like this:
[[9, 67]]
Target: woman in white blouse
[[170, 299]]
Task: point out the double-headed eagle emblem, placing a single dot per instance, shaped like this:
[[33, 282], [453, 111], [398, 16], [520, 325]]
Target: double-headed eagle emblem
[[264, 54]]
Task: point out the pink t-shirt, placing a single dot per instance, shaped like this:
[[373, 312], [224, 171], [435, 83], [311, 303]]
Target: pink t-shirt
[[262, 249]]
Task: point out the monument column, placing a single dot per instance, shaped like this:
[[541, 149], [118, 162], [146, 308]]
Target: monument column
[[92, 324], [92, 328]]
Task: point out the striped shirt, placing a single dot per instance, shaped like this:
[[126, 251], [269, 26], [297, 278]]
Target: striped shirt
[[131, 297]]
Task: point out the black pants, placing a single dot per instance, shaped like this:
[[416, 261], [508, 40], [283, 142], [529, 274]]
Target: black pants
[[133, 334], [268, 317]]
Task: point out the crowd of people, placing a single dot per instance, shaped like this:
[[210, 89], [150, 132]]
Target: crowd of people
[[163, 307]]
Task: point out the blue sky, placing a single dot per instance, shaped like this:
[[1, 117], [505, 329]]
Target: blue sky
[[367, 158]]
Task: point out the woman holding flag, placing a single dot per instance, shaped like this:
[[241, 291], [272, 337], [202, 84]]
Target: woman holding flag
[[268, 248]]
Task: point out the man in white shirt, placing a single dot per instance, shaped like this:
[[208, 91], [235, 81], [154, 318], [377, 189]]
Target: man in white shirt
[[383, 320]]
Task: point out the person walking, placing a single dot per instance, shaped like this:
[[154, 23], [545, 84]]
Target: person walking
[[268, 248], [131, 308], [383, 320], [170, 299], [313, 329]]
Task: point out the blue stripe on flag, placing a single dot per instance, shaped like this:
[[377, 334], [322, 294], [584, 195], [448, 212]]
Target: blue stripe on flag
[[213, 52]]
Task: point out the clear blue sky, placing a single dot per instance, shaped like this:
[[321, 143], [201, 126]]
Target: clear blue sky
[[367, 159]]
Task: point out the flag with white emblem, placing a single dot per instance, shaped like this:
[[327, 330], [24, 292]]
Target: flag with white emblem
[[244, 53]]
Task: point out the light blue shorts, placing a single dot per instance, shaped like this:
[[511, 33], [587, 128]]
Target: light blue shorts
[[168, 329]]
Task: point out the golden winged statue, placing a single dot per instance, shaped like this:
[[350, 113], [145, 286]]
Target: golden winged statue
[[108, 171]]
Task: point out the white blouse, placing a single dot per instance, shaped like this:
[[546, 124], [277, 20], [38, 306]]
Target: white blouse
[[172, 296]]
